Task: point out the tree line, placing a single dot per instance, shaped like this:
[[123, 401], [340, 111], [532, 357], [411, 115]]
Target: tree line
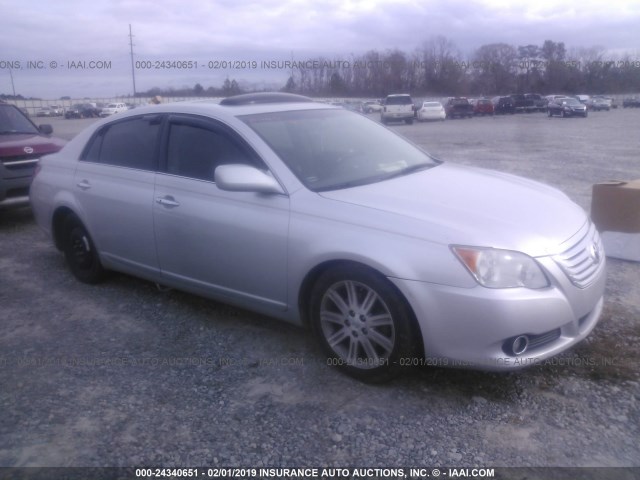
[[438, 68]]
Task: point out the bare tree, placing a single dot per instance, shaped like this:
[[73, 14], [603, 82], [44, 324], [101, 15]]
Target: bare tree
[[495, 67], [441, 66]]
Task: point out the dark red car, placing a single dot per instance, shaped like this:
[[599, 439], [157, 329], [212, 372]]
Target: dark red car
[[483, 106], [21, 145]]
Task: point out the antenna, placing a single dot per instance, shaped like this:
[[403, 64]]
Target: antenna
[[133, 70]]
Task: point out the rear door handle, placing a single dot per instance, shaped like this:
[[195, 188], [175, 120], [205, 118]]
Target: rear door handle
[[84, 184], [167, 201]]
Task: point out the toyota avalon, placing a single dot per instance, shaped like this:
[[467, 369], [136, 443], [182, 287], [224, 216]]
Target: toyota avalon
[[325, 218]]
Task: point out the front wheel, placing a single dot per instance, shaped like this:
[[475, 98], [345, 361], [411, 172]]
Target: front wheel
[[80, 252], [362, 322]]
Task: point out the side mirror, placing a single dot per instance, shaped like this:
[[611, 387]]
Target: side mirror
[[244, 178], [46, 129]]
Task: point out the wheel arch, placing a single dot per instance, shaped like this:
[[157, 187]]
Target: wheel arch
[[311, 278], [58, 220]]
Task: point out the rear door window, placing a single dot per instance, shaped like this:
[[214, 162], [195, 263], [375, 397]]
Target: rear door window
[[131, 143]]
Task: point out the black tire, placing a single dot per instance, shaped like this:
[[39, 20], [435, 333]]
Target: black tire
[[80, 252], [362, 322], [409, 121]]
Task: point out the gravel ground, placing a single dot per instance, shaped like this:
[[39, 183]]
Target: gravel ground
[[122, 374]]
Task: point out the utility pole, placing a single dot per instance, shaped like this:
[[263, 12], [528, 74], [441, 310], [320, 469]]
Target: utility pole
[[12, 85], [133, 70]]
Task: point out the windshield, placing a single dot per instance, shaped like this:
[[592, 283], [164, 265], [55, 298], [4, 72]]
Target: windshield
[[571, 101], [13, 120], [333, 149]]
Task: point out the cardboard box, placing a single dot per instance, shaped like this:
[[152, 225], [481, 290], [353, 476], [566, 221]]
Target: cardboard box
[[624, 246], [615, 211], [615, 206]]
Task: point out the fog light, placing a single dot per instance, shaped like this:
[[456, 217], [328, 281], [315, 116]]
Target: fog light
[[520, 345]]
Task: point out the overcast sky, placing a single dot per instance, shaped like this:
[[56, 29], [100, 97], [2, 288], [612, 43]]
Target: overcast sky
[[51, 34]]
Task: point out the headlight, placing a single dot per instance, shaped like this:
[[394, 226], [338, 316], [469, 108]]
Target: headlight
[[494, 268]]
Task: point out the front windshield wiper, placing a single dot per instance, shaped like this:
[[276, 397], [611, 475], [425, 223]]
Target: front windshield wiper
[[15, 132]]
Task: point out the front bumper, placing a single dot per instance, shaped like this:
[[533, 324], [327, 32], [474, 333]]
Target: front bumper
[[470, 328], [15, 178]]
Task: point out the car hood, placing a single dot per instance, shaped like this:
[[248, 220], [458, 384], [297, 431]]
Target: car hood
[[453, 204], [13, 145]]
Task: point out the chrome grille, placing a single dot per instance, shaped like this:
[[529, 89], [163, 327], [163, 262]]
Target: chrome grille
[[581, 261]]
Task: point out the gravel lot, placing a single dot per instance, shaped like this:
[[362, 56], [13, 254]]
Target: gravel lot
[[122, 374]]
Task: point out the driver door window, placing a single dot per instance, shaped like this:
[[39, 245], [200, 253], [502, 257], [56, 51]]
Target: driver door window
[[195, 150]]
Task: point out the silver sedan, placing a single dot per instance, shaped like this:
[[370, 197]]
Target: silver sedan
[[321, 217]]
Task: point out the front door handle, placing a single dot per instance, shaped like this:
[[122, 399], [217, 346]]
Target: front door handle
[[84, 184], [167, 201]]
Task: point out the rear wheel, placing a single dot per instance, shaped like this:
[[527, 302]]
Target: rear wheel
[[80, 252], [363, 323]]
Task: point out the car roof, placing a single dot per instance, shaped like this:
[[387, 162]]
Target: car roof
[[215, 109]]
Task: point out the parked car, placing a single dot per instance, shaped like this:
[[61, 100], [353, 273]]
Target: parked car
[[398, 107], [458, 107], [431, 111], [112, 109], [597, 104], [567, 107], [538, 102], [21, 145], [584, 99], [44, 112], [57, 110], [323, 217], [522, 104], [483, 106], [551, 98], [371, 106], [503, 105], [81, 110], [631, 102]]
